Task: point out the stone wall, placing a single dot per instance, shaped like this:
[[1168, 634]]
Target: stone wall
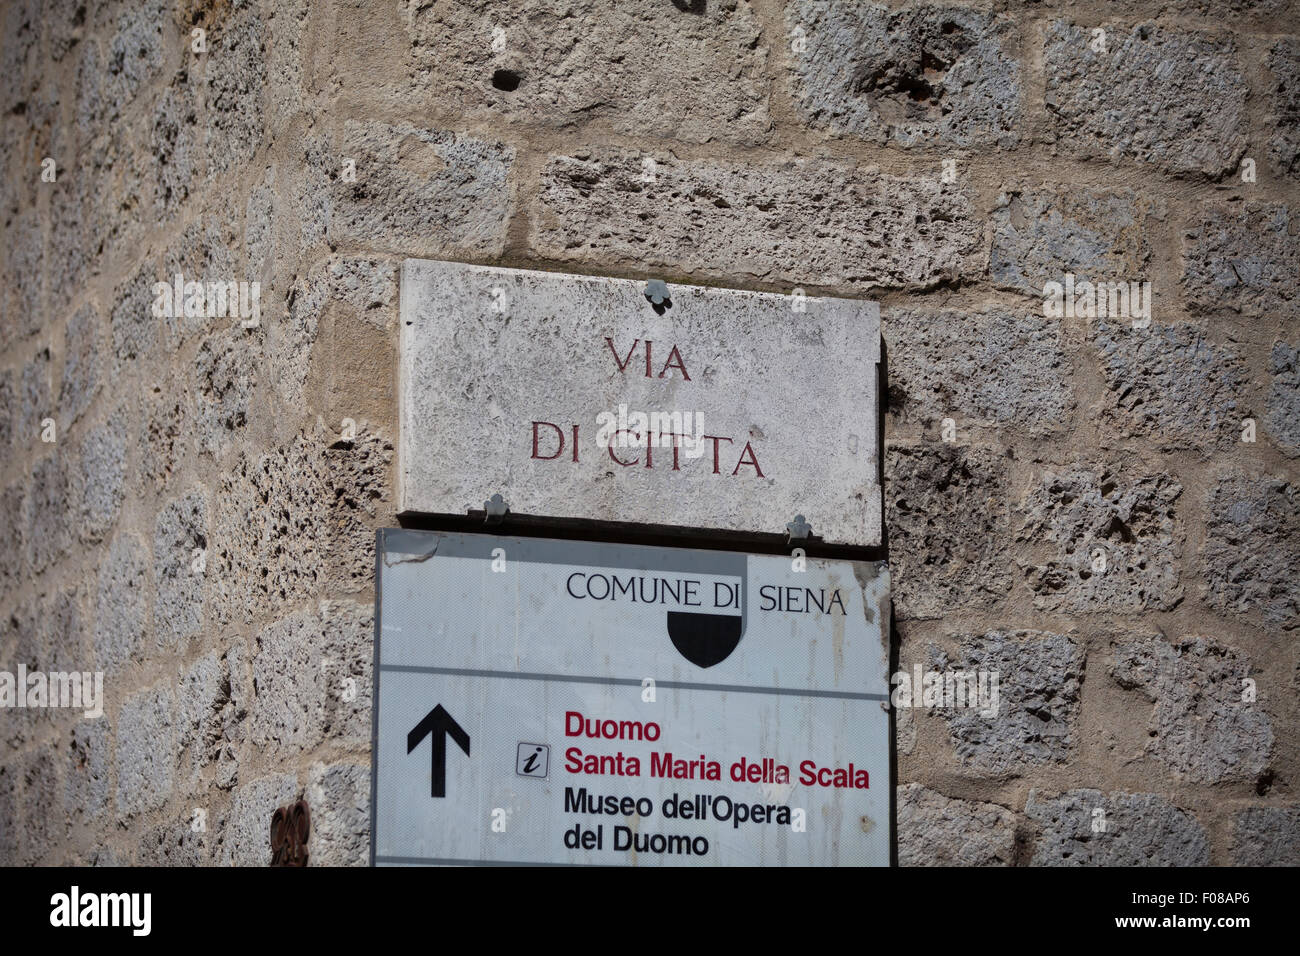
[[199, 525]]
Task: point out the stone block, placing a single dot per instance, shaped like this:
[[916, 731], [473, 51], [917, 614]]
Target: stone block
[[800, 222], [122, 602], [339, 797], [81, 365], [1039, 690], [1172, 384], [180, 531], [934, 830], [945, 363], [929, 75], [312, 680], [1162, 97], [247, 833], [145, 752], [1040, 234], [1266, 836], [1203, 726], [1243, 257], [1111, 541], [1141, 829], [946, 515], [694, 72], [1251, 558]]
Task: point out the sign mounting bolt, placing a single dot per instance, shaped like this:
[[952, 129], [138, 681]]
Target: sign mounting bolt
[[656, 291], [798, 530], [496, 509]]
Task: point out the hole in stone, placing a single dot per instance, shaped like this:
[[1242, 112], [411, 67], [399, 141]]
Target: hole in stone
[[507, 80]]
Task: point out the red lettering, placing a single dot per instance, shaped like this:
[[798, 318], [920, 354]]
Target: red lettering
[[715, 439], [559, 451], [610, 449], [670, 363], [752, 460], [622, 366]]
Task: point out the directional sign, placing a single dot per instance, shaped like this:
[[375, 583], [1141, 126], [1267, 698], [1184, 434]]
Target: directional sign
[[620, 704]]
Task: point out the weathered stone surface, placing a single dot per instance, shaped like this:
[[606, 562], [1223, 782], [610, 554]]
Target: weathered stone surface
[[65, 20], [1284, 107], [1170, 383], [1171, 99], [1040, 679], [50, 510], [925, 75], [321, 529], [259, 227], [339, 797], [206, 252], [179, 842], [100, 481], [97, 183], [212, 707], [37, 404], [181, 530], [122, 604], [8, 409], [800, 221], [226, 376], [945, 508], [235, 102], [174, 145], [22, 22], [246, 840], [950, 364], [934, 830], [1266, 836], [1243, 257], [81, 365], [146, 751], [86, 783], [66, 629], [22, 641], [1039, 235], [1282, 418], [136, 331], [44, 822], [1251, 559], [693, 72], [165, 433], [287, 97], [366, 287], [9, 825], [538, 346], [23, 296], [311, 680], [1110, 541], [1201, 727], [132, 57], [1141, 829], [417, 191], [13, 531]]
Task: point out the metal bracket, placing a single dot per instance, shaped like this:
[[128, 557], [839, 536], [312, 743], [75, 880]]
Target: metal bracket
[[797, 530], [290, 831], [496, 510]]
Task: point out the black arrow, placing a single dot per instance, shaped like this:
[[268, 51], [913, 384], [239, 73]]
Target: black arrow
[[439, 723]]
